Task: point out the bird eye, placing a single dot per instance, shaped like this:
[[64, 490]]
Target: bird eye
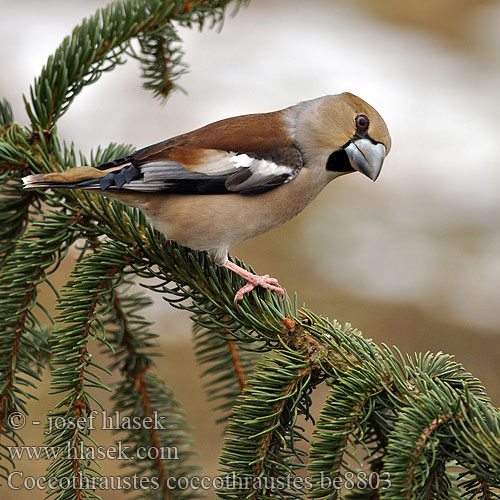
[[362, 122]]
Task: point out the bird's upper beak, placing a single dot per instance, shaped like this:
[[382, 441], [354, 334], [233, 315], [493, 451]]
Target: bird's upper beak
[[366, 157]]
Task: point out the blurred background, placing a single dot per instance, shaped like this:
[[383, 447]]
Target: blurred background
[[412, 260]]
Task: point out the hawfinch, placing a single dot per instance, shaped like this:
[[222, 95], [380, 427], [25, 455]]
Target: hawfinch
[[236, 178]]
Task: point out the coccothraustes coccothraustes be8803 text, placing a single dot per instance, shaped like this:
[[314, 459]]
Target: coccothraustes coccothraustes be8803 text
[[236, 178]]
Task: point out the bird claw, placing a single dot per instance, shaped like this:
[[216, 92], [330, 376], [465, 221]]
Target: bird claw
[[262, 281], [253, 280]]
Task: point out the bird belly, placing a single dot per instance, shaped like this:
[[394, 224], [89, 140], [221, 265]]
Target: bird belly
[[205, 222]]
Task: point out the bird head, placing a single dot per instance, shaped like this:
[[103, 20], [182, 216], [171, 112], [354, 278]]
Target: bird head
[[342, 134]]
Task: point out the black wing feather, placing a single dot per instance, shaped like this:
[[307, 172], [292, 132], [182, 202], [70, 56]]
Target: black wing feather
[[267, 171]]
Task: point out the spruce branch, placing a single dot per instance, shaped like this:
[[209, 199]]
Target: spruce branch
[[14, 203], [228, 362], [236, 362], [161, 61], [263, 437], [343, 421], [98, 44], [6, 114], [141, 394], [24, 269], [74, 370]]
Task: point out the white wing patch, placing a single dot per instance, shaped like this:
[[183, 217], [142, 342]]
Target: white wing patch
[[264, 167], [240, 160], [216, 162], [260, 172]]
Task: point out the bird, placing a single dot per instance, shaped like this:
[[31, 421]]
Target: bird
[[239, 177]]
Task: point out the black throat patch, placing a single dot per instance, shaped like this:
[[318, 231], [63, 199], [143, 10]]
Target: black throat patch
[[338, 161]]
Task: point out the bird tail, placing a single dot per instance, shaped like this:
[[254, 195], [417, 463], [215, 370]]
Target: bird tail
[[74, 178], [114, 173]]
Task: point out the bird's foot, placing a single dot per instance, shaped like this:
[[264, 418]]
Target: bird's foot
[[253, 280]]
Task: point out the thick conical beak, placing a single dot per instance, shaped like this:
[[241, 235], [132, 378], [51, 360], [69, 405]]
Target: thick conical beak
[[366, 157]]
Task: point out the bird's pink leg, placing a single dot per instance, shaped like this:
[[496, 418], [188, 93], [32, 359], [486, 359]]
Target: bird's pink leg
[[253, 280]]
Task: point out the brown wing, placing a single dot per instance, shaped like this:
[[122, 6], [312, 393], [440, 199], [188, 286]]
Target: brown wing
[[246, 154], [257, 133]]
